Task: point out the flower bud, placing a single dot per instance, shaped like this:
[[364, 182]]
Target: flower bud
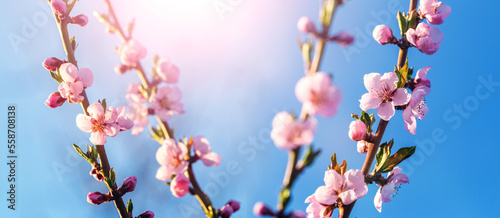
[[362, 147], [357, 130], [97, 198], [260, 209], [121, 69], [59, 6], [226, 211], [52, 64], [147, 214], [55, 100], [296, 214], [383, 34], [234, 204], [179, 186], [305, 25], [343, 38], [129, 184], [80, 20]]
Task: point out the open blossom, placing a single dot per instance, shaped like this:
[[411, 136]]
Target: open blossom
[[180, 185], [289, 133], [138, 113], [426, 38], [100, 123], [416, 109], [315, 209], [131, 52], [348, 187], [166, 102], [435, 12], [172, 158], [306, 25], [167, 71], [74, 81], [357, 130], [396, 178], [123, 120], [318, 95], [383, 94], [201, 147], [383, 34]]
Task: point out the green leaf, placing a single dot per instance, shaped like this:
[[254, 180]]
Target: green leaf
[[310, 155], [403, 25], [333, 160], [402, 73], [412, 19], [112, 175], [103, 103], [73, 43], [81, 153], [130, 206], [355, 116], [383, 154], [401, 155], [56, 77], [307, 48]]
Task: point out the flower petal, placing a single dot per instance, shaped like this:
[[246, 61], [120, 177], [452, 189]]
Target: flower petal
[[401, 97], [98, 138], [95, 110], [369, 101], [422, 73], [325, 195], [372, 82], [86, 76], [69, 72], [211, 159], [112, 129], [386, 111], [163, 173], [333, 179], [83, 122]]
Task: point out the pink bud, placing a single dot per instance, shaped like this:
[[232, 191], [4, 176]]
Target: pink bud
[[343, 38], [80, 20], [129, 184], [147, 214], [226, 211], [121, 69], [362, 147], [97, 198], [55, 100], [234, 204], [260, 209], [357, 130], [305, 25], [296, 214], [52, 64], [383, 34], [179, 185], [59, 6]]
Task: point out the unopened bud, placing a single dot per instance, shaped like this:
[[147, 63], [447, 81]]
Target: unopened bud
[[383, 34], [52, 64], [97, 198], [59, 6], [226, 211], [260, 209], [147, 214], [121, 68], [234, 204], [343, 38], [55, 100], [305, 25], [129, 184], [80, 20]]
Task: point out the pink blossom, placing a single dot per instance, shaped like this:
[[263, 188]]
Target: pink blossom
[[425, 38], [166, 102], [305, 25], [357, 130], [201, 147], [71, 91], [348, 187], [383, 94], [343, 38], [131, 52], [396, 179], [59, 6], [129, 184], [123, 120], [315, 208], [289, 133], [55, 100], [226, 211], [416, 108], [180, 185], [383, 34], [138, 113], [52, 64], [147, 214], [121, 68], [70, 73], [420, 79], [260, 209], [167, 71], [435, 12], [80, 20], [97, 198], [172, 158], [362, 147], [318, 95], [133, 93], [234, 204], [100, 123]]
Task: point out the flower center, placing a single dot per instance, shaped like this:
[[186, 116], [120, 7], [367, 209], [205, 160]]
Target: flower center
[[175, 161], [98, 125]]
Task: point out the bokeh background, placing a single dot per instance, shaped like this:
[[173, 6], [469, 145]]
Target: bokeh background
[[239, 67]]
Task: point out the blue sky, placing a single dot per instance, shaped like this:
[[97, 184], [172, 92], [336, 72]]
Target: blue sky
[[238, 69]]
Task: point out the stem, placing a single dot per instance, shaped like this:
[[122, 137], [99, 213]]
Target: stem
[[205, 202], [117, 25], [120, 205], [290, 175]]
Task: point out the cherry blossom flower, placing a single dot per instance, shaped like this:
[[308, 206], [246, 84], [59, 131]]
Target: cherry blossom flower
[[226, 211], [201, 147], [349, 187], [357, 130], [100, 123], [121, 69], [435, 12], [383, 94], [289, 133], [318, 95], [172, 158], [55, 100], [167, 71], [306, 25], [80, 20], [180, 185], [315, 209], [74, 81], [396, 178], [52, 64], [383, 34], [166, 102], [129, 184], [138, 113], [416, 109], [123, 120], [131, 52], [98, 198], [59, 6], [425, 38]]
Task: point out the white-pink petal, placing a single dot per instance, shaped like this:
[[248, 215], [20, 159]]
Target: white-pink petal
[[86, 76], [386, 110], [401, 97], [83, 122]]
